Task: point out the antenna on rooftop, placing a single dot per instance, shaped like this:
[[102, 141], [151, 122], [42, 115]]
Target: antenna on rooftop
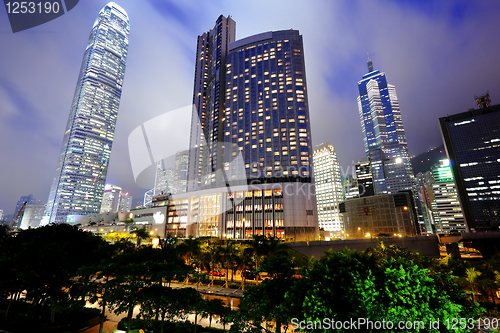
[[370, 63]]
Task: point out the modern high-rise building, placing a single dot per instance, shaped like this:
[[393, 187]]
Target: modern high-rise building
[[250, 162], [164, 179], [28, 199], [32, 216], [110, 199], [207, 127], [181, 171], [81, 171], [448, 216], [364, 178], [472, 142], [125, 202], [329, 189], [350, 185], [383, 133]]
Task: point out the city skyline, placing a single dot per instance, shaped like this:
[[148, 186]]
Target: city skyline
[[435, 58]]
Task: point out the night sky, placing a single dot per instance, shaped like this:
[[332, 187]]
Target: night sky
[[438, 54]]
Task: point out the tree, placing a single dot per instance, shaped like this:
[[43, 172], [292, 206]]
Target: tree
[[214, 307], [191, 248], [347, 284], [160, 303], [46, 260], [140, 235], [473, 280], [266, 302]]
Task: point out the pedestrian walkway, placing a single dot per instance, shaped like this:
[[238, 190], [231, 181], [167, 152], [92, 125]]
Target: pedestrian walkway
[[109, 326]]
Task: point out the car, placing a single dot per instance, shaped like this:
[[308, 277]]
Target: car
[[217, 273], [249, 275]]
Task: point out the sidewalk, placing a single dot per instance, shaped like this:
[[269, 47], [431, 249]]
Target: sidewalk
[[109, 326]]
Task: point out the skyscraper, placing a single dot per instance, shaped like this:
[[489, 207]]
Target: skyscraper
[[329, 189], [383, 133], [81, 171], [181, 171], [472, 142], [207, 133], [250, 162], [110, 199], [446, 208]]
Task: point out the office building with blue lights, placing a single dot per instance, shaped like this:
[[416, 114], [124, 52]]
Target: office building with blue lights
[[383, 133]]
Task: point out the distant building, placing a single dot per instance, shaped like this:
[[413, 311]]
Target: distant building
[[125, 202], [383, 133], [329, 189], [164, 179], [1, 214], [110, 199], [29, 200], [32, 216], [364, 178], [446, 207], [350, 185], [180, 172], [392, 215], [425, 212], [472, 142]]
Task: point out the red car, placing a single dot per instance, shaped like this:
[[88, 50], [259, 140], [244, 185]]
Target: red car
[[218, 273]]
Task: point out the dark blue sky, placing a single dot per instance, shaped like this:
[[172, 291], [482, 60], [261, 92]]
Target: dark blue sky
[[438, 54]]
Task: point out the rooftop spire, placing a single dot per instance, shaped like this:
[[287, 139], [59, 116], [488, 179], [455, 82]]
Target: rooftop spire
[[370, 64]]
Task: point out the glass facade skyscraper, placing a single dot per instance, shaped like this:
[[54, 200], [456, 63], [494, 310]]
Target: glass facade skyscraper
[[472, 142], [329, 189], [207, 133], [81, 171], [383, 133]]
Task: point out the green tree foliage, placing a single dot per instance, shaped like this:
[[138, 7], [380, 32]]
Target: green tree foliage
[[266, 302], [350, 285]]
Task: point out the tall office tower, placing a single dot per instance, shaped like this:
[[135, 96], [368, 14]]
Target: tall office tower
[[164, 179], [81, 171], [350, 185], [207, 133], [472, 142], [1, 214], [446, 208], [125, 202], [383, 133], [364, 178], [181, 171], [426, 211], [110, 199], [329, 189]]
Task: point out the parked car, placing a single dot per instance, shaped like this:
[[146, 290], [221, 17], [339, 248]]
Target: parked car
[[249, 275], [218, 273]]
